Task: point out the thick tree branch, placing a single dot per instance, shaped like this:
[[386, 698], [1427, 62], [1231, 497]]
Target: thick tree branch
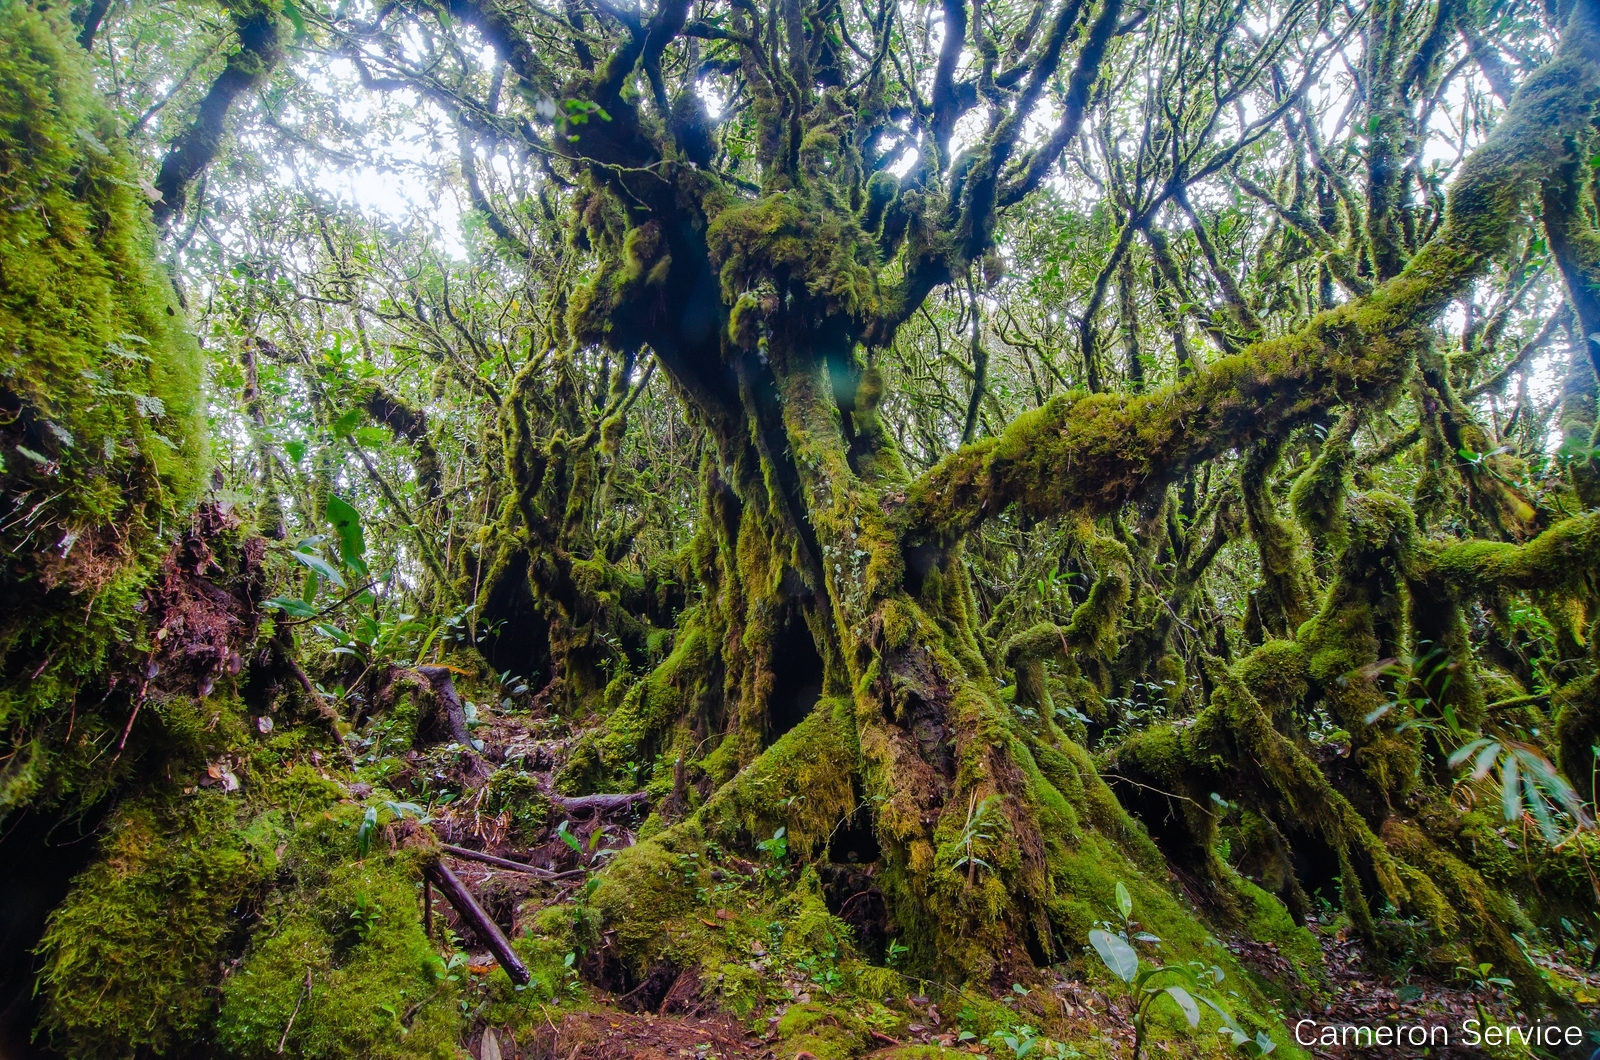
[[1094, 453], [193, 149]]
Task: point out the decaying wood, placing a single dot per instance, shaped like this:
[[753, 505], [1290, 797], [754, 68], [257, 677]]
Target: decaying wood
[[587, 805], [469, 854]]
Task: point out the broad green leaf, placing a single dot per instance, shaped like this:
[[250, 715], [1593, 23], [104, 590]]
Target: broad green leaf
[[320, 566], [346, 523], [1185, 1000], [1124, 901], [1510, 789], [293, 13], [332, 632], [292, 607], [1118, 955]]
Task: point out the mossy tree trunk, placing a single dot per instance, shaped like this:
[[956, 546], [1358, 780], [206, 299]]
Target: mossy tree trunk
[[999, 841]]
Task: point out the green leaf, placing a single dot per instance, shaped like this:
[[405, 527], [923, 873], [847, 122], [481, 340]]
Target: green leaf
[[1124, 901], [296, 450], [1227, 1017], [1461, 754], [1510, 789], [320, 566], [569, 839], [371, 435], [1118, 955], [294, 608], [332, 632], [1264, 1043], [292, 13], [1185, 1000], [347, 423], [1541, 812], [346, 522], [1485, 761], [369, 821]]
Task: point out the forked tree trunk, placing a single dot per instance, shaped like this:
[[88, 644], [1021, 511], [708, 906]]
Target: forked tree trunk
[[1000, 844]]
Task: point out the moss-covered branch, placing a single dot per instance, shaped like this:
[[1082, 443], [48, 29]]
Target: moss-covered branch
[[259, 28], [1565, 557], [1095, 452]]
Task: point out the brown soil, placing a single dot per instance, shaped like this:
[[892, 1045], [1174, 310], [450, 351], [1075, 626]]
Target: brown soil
[[620, 1036]]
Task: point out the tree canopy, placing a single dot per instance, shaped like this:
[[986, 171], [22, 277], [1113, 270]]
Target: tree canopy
[[835, 500]]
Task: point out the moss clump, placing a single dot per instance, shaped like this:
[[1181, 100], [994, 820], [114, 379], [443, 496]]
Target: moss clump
[[130, 958], [344, 944], [518, 796], [825, 1031], [100, 414], [788, 241], [634, 726]]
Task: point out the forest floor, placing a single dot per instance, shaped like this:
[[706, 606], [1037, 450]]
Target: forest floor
[[677, 1018], [1359, 996]]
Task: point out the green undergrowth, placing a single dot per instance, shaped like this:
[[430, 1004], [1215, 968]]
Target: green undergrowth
[[131, 954], [342, 952]]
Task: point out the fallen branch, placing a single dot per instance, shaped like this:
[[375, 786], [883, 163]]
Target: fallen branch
[[325, 710], [468, 854], [305, 992], [473, 914], [587, 805]]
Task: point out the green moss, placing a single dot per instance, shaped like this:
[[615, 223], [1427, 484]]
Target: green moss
[[801, 783], [104, 383], [1268, 921], [825, 1031], [787, 240], [634, 727], [1561, 558], [130, 957], [351, 928]]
